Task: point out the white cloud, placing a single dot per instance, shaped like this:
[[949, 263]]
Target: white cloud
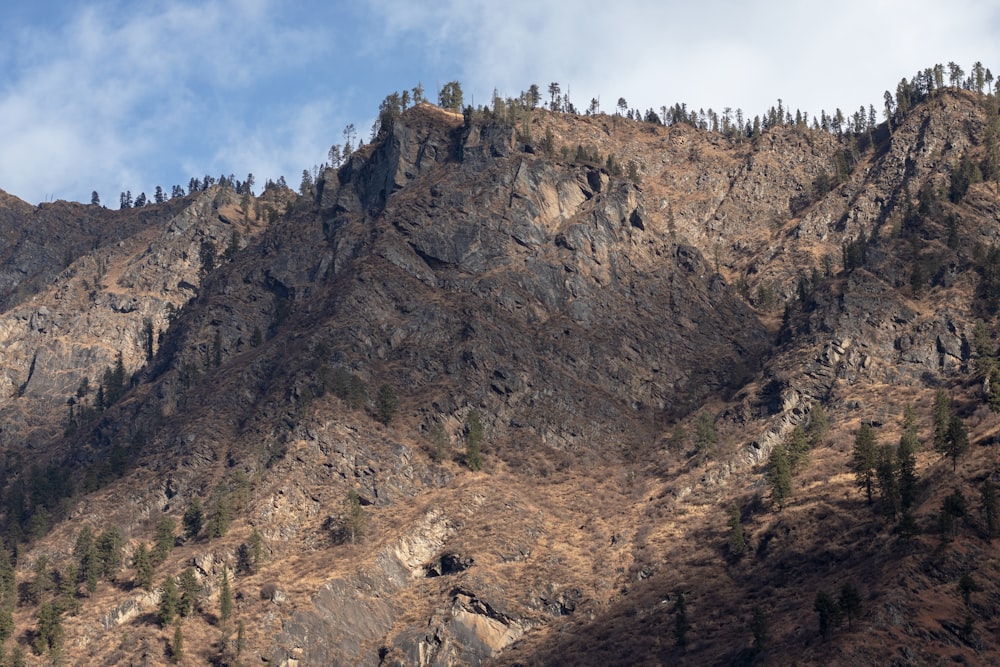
[[130, 95], [725, 53], [118, 99]]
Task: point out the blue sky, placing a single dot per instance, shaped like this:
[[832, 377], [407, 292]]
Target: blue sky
[[113, 96]]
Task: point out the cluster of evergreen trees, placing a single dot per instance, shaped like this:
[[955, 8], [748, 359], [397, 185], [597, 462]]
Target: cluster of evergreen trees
[[791, 456], [194, 185], [101, 556]]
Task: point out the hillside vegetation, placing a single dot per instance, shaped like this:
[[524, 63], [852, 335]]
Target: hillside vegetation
[[520, 386]]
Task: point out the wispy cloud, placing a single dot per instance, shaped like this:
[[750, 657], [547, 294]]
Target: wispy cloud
[[114, 101], [121, 95], [725, 53]]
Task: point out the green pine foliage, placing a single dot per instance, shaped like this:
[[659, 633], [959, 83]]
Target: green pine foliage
[[888, 481], [705, 435], [990, 508], [49, 632], [163, 540], [386, 403], [865, 459], [779, 476], [829, 613], [993, 395], [906, 460], [942, 417], [189, 591], [957, 441], [348, 387], [85, 552], [169, 601], [850, 602], [220, 511], [143, 565], [682, 625], [953, 507], [759, 627], [354, 517], [225, 599], [42, 583], [110, 552], [177, 645], [797, 445], [967, 586], [473, 441], [819, 426], [250, 554], [441, 441], [194, 518]]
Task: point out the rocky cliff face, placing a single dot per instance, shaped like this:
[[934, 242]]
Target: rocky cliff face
[[123, 277], [584, 315]]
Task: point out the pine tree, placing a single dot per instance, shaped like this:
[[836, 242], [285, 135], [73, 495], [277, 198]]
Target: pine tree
[[143, 567], [6, 623], [797, 445], [189, 589], [473, 441], [354, 516], [450, 96], [109, 551], [221, 514], [888, 482], [681, 623], [779, 476], [990, 508], [169, 601], [42, 582], [250, 554], [679, 440], [241, 638], [49, 632], [954, 506], [225, 599], [850, 602], [8, 594], [66, 589], [193, 518], [163, 540], [440, 437], [942, 417], [967, 586], [85, 553], [956, 441], [177, 645], [208, 256], [819, 425], [759, 628], [386, 402], [993, 396], [907, 461], [307, 183], [705, 437], [829, 613], [865, 459]]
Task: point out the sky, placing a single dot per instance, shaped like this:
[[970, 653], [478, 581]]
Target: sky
[[127, 95]]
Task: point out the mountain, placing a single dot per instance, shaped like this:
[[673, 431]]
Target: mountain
[[628, 318]]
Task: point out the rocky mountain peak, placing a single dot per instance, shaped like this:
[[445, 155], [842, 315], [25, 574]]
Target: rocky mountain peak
[[627, 319]]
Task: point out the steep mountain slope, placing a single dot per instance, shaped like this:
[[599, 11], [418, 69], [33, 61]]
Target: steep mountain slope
[[459, 267]]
